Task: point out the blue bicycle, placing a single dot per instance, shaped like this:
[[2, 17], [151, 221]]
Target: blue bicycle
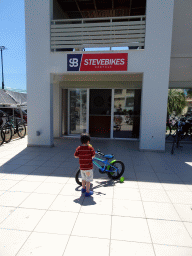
[[114, 169]]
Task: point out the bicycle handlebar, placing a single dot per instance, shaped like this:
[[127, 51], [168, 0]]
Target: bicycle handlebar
[[98, 152]]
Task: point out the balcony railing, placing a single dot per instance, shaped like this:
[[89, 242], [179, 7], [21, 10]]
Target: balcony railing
[[98, 32]]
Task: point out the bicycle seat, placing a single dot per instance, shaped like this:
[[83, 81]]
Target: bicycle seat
[[108, 156]]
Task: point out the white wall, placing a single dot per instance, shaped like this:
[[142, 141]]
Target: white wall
[[39, 87]]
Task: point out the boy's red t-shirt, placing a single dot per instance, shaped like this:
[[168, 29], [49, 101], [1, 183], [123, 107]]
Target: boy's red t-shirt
[[85, 154]]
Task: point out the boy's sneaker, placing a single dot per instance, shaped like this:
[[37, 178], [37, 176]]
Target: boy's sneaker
[[89, 194], [83, 190]]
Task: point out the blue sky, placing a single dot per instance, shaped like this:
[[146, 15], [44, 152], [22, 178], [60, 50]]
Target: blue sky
[[12, 36]]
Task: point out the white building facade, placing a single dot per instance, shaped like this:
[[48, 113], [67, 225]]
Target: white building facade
[[117, 94]]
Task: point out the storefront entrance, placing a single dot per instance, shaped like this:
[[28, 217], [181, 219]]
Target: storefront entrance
[[104, 113]]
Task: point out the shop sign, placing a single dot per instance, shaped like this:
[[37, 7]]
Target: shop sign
[[97, 62]]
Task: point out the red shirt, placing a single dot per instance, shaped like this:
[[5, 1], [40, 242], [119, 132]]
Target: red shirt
[[85, 154]]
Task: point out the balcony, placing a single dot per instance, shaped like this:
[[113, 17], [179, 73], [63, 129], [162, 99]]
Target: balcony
[[77, 34]]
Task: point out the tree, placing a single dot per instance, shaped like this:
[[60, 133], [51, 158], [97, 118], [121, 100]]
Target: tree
[[176, 101]]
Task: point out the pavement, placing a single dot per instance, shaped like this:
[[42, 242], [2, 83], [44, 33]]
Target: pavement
[[42, 211]]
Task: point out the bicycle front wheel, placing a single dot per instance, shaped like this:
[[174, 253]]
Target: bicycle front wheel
[[78, 178], [21, 130], [116, 170], [7, 133]]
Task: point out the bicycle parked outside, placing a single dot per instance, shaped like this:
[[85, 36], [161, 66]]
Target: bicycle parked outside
[[11, 127], [114, 169], [180, 134]]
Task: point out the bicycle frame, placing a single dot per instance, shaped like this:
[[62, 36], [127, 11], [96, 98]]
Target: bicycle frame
[[106, 163]]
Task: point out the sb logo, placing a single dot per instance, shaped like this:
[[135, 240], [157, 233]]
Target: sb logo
[[73, 62]]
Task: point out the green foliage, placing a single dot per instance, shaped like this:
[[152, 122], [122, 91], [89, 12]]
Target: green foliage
[[176, 101]]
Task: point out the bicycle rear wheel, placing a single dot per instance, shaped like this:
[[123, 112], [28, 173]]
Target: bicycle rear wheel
[[2, 136], [6, 129], [21, 130], [78, 178], [116, 170]]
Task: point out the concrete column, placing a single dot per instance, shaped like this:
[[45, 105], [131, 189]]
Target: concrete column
[[39, 84], [159, 21]]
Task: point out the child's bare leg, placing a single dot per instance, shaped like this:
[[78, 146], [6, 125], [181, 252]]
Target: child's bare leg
[[83, 183], [87, 187]]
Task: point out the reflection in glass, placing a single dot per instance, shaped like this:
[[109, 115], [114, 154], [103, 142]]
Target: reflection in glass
[[78, 101], [126, 113]]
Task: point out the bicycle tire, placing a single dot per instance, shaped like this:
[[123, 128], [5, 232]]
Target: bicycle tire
[[2, 137], [173, 146], [78, 178], [21, 130], [112, 173], [7, 133]]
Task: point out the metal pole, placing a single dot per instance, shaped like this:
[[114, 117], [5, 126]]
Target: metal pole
[[2, 48]]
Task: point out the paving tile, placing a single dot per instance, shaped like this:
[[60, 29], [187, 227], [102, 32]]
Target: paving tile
[[166, 250], [43, 170], [7, 184], [125, 248], [154, 195], [179, 197], [95, 246], [163, 177], [97, 205], [35, 177], [17, 161], [127, 193], [169, 233], [55, 179], [39, 244], [38, 201], [23, 219], [150, 185], [175, 187], [13, 198], [11, 241], [49, 188], [63, 171], [184, 211], [164, 211], [5, 212], [8, 168], [56, 222], [14, 176], [71, 190], [25, 186], [128, 208], [99, 225], [130, 175], [188, 226], [35, 162], [67, 203], [126, 184], [143, 168], [147, 176], [130, 229], [51, 163], [102, 191]]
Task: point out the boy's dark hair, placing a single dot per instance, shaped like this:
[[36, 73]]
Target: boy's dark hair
[[85, 137]]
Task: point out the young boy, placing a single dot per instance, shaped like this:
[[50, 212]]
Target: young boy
[[85, 153]]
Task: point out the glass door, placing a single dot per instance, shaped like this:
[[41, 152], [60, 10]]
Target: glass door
[[127, 104], [77, 118]]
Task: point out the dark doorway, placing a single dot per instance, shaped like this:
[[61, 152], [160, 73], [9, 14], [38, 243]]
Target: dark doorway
[[100, 113]]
